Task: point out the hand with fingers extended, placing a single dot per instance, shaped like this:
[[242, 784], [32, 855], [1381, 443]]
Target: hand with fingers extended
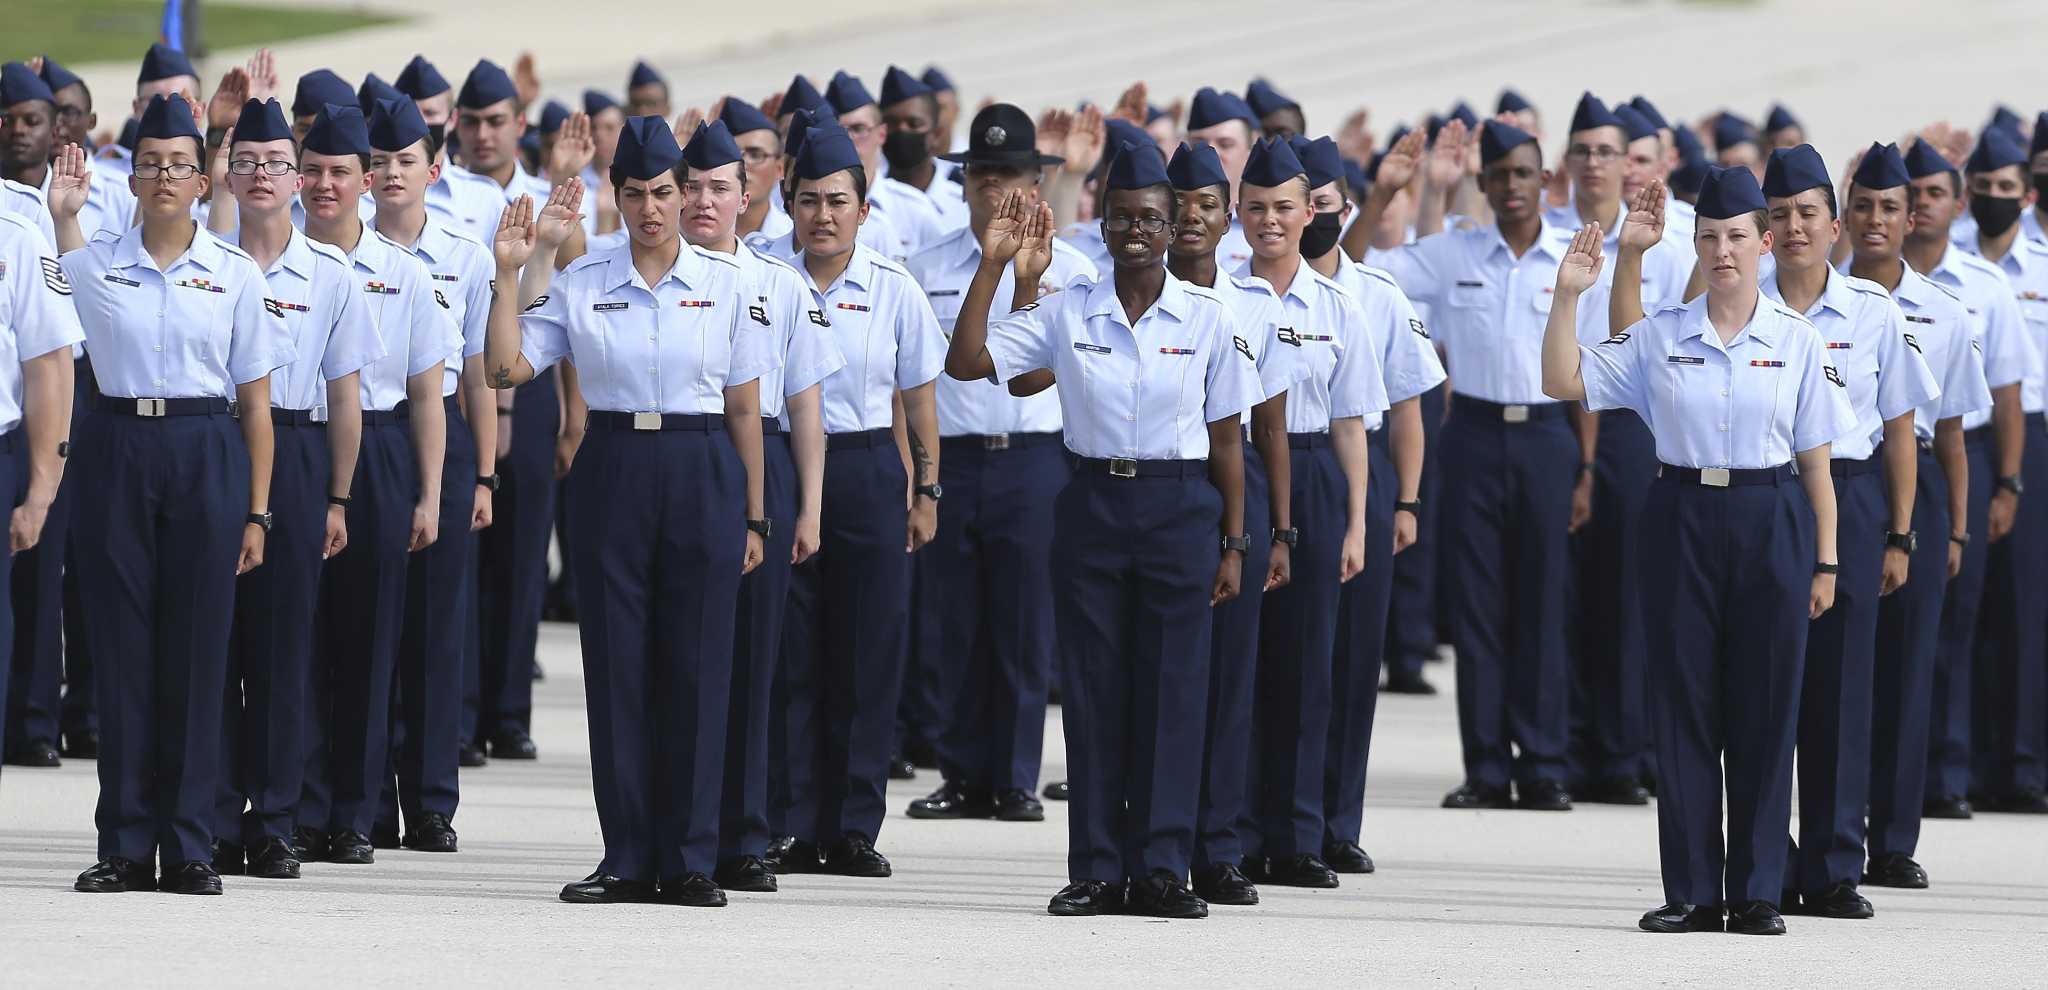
[[1003, 238], [1580, 269], [1053, 125], [1085, 137], [559, 218], [1034, 253], [573, 150], [1131, 105], [1643, 227], [686, 123], [70, 182], [1447, 156], [1398, 166], [225, 107], [262, 69], [526, 79], [514, 242]]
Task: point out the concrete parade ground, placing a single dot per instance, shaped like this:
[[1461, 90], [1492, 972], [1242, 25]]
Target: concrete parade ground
[[1481, 899]]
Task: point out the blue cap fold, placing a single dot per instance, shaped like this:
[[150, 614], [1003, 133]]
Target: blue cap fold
[[1633, 123], [317, 89], [338, 130], [1271, 163], [552, 116], [1780, 119], [596, 102], [644, 75], [1320, 159], [1511, 102], [20, 84], [1211, 107], [486, 84], [164, 62], [799, 128], [58, 77], [800, 95], [1497, 139], [373, 89], [1997, 148], [1650, 112], [420, 80], [262, 120], [647, 150], [2040, 142], [1355, 177], [1731, 130], [396, 125], [936, 80], [1689, 147], [711, 147], [846, 93], [1463, 111], [740, 117], [827, 149], [1792, 171], [2003, 116], [1881, 168], [167, 117], [1264, 99], [1136, 166], [1195, 166], [898, 85], [1729, 192], [1922, 160], [1592, 113]]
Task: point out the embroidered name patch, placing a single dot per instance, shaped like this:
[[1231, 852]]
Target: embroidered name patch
[[1320, 338], [1091, 348], [118, 280], [1462, 284], [1767, 364], [201, 284], [940, 293], [1910, 318], [380, 289], [610, 307], [1685, 359], [438, 277], [856, 307]]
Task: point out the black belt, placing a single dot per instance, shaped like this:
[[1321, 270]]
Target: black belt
[[770, 426], [999, 441], [1726, 477], [605, 419], [154, 408], [1123, 467], [1843, 467], [1308, 441], [316, 416], [860, 440], [385, 417], [1513, 414]]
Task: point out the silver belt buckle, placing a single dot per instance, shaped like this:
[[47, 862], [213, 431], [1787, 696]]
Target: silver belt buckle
[[647, 421], [1714, 477], [1123, 467], [1514, 414], [317, 414], [149, 407], [996, 441]]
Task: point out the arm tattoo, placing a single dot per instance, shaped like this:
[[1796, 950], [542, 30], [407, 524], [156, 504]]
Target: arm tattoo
[[501, 378], [920, 458]]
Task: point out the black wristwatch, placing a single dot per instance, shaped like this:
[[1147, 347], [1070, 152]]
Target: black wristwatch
[[761, 526], [63, 449], [1412, 508], [2013, 484], [1241, 544], [1962, 540], [1585, 468], [489, 481], [1908, 541], [263, 519], [1289, 536], [933, 491], [1827, 568], [340, 500]]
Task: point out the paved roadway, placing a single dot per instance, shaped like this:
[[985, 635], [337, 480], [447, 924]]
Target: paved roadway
[[1467, 898]]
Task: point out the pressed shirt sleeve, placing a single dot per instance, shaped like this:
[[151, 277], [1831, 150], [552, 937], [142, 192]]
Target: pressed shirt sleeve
[[1233, 379], [1904, 382], [476, 315], [260, 343], [353, 342], [754, 350], [1824, 412], [1612, 370], [1410, 364], [1417, 268], [920, 346], [1023, 341], [810, 355], [544, 330], [432, 319], [2009, 354], [1964, 388], [1357, 383], [44, 318]]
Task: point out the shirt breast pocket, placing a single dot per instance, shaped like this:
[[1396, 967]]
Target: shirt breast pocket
[[1471, 295], [200, 319], [1541, 299]]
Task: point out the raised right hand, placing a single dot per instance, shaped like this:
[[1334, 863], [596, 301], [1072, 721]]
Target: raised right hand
[[1447, 157], [1397, 169], [70, 182], [1581, 267], [1004, 235], [1644, 225], [560, 217], [516, 230]]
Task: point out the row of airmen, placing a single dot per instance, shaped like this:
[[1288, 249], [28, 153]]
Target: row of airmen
[[1239, 821]]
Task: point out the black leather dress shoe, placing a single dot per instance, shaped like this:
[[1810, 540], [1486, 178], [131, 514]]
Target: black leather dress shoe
[[309, 844], [1017, 805], [855, 856], [603, 888], [34, 753], [1895, 870], [274, 860], [432, 835], [951, 801], [1838, 901], [1224, 883], [1304, 870], [350, 847], [1408, 684], [1952, 807], [1675, 919], [194, 877], [1055, 791], [81, 745], [1086, 899], [922, 755], [692, 890], [384, 835], [1470, 797], [1347, 857], [228, 858], [471, 755], [513, 744], [1162, 895], [789, 855], [116, 875], [2026, 802], [1545, 795], [747, 874], [1613, 790], [1755, 918]]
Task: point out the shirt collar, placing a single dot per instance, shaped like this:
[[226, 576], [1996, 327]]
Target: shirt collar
[[1174, 301], [962, 248], [1550, 239], [619, 271], [1914, 288], [205, 250], [1297, 289], [298, 255], [435, 244], [859, 271], [372, 251], [1762, 327], [1834, 295]]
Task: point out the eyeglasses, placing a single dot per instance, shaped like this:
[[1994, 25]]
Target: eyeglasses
[[177, 171], [1149, 225], [755, 157], [70, 113], [859, 130], [249, 166], [1603, 153]]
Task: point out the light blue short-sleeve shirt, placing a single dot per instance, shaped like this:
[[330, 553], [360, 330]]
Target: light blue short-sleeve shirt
[[1879, 361], [311, 289], [885, 329], [36, 315]]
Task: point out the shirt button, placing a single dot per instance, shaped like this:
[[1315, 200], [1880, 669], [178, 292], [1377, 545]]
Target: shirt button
[[1724, 427], [159, 347], [1724, 393], [1130, 419]]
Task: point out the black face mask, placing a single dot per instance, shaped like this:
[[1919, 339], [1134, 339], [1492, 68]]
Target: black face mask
[[906, 150], [1995, 214], [1321, 235]]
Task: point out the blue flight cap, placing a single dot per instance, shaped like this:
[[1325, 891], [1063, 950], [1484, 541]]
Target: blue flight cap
[[800, 95], [1153, 112], [1463, 111], [1136, 166], [20, 84], [647, 150], [1729, 192], [552, 116], [1633, 123], [1592, 113], [1689, 147], [1689, 177], [1117, 130], [740, 117], [2039, 144], [1881, 168], [127, 137], [374, 89], [898, 85], [936, 80], [826, 150], [1792, 171], [1649, 111], [529, 142], [420, 80], [1996, 149], [317, 89], [846, 93], [164, 62], [58, 77], [1271, 163], [1922, 161], [1355, 177], [596, 102], [1432, 126], [486, 84], [338, 130], [2003, 116], [1195, 166], [1394, 137], [799, 128], [396, 125], [262, 120], [1211, 108], [1731, 130], [1780, 119], [644, 75], [711, 147], [1497, 139], [1264, 99], [1321, 160], [1511, 102]]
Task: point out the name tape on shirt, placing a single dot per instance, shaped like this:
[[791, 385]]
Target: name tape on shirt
[[201, 284], [1091, 348], [610, 307], [941, 293], [439, 277], [1316, 338], [380, 289], [1464, 284], [118, 280], [1685, 359], [1910, 318]]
